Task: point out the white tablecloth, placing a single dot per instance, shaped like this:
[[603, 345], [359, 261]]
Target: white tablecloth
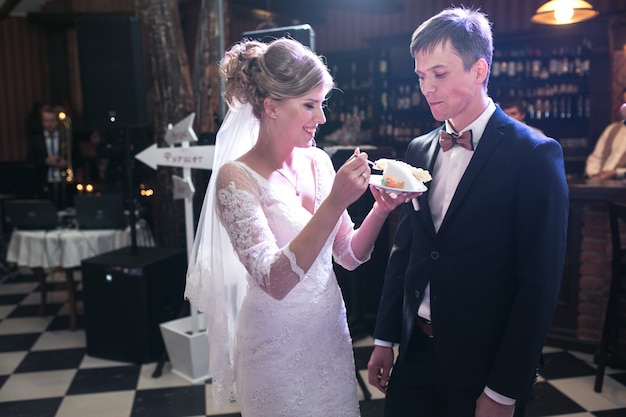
[[62, 247]]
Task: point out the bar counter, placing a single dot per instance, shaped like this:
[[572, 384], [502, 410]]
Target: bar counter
[[587, 271]]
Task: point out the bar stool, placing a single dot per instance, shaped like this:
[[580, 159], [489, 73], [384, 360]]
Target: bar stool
[[610, 329]]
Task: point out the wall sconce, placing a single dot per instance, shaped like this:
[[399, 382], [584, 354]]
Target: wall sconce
[[563, 12]]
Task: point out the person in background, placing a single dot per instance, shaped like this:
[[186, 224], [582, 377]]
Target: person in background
[[45, 153], [516, 109], [473, 278], [608, 158], [280, 341]]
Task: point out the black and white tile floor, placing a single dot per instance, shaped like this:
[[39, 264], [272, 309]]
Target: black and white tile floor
[[45, 372]]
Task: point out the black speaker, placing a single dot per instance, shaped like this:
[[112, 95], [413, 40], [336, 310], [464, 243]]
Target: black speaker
[[127, 296], [301, 33], [111, 70]]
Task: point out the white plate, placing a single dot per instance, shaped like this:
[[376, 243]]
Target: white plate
[[376, 179]]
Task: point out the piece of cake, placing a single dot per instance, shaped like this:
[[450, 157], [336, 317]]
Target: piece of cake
[[400, 175]]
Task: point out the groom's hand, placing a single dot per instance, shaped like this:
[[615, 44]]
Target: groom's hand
[[379, 367]]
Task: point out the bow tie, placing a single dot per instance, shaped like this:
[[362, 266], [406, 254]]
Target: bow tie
[[448, 140]]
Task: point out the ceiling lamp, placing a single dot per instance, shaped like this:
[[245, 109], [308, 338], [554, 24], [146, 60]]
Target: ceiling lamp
[[563, 12]]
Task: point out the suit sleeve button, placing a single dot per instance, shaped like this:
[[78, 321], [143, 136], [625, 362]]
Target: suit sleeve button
[[434, 255]]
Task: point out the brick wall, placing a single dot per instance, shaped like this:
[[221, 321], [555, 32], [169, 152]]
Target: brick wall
[[595, 272]]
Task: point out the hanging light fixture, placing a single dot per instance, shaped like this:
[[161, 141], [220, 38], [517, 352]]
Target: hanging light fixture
[[563, 12]]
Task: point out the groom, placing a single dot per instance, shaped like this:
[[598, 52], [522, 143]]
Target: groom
[[473, 277]]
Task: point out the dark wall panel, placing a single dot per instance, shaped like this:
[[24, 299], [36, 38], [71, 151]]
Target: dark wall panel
[[23, 82], [111, 71]]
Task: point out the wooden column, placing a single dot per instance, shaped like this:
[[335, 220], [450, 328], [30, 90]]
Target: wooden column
[[172, 98]]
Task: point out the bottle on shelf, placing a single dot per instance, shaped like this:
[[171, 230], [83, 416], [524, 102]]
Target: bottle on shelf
[[416, 96]]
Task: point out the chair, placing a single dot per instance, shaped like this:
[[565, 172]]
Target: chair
[[6, 271], [610, 329]]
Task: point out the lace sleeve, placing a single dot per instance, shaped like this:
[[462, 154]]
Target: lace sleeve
[[240, 211], [342, 245]]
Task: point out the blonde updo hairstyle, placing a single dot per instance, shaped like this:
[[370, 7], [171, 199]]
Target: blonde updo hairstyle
[[253, 71]]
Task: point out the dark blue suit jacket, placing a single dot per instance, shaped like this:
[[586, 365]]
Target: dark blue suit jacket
[[495, 265]]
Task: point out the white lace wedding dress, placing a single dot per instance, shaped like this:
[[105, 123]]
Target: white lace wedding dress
[[293, 356]]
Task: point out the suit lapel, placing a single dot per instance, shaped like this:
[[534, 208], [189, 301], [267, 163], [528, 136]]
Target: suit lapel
[[427, 159], [488, 142]]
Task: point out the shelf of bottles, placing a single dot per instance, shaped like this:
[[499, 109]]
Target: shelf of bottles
[[553, 81], [379, 88], [349, 106], [400, 111]]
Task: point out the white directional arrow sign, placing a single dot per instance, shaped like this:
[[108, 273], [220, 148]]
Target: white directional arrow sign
[[185, 157], [198, 157], [182, 131], [183, 187]]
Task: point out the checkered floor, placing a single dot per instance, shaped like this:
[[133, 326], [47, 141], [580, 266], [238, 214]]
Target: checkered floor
[[45, 372]]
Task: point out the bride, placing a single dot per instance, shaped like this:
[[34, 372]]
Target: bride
[[274, 218]]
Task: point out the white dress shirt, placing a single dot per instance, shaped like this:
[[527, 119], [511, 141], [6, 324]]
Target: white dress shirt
[[52, 145], [603, 159], [447, 172]]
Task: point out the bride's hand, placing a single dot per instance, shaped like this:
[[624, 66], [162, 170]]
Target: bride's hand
[[351, 180], [386, 202]]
